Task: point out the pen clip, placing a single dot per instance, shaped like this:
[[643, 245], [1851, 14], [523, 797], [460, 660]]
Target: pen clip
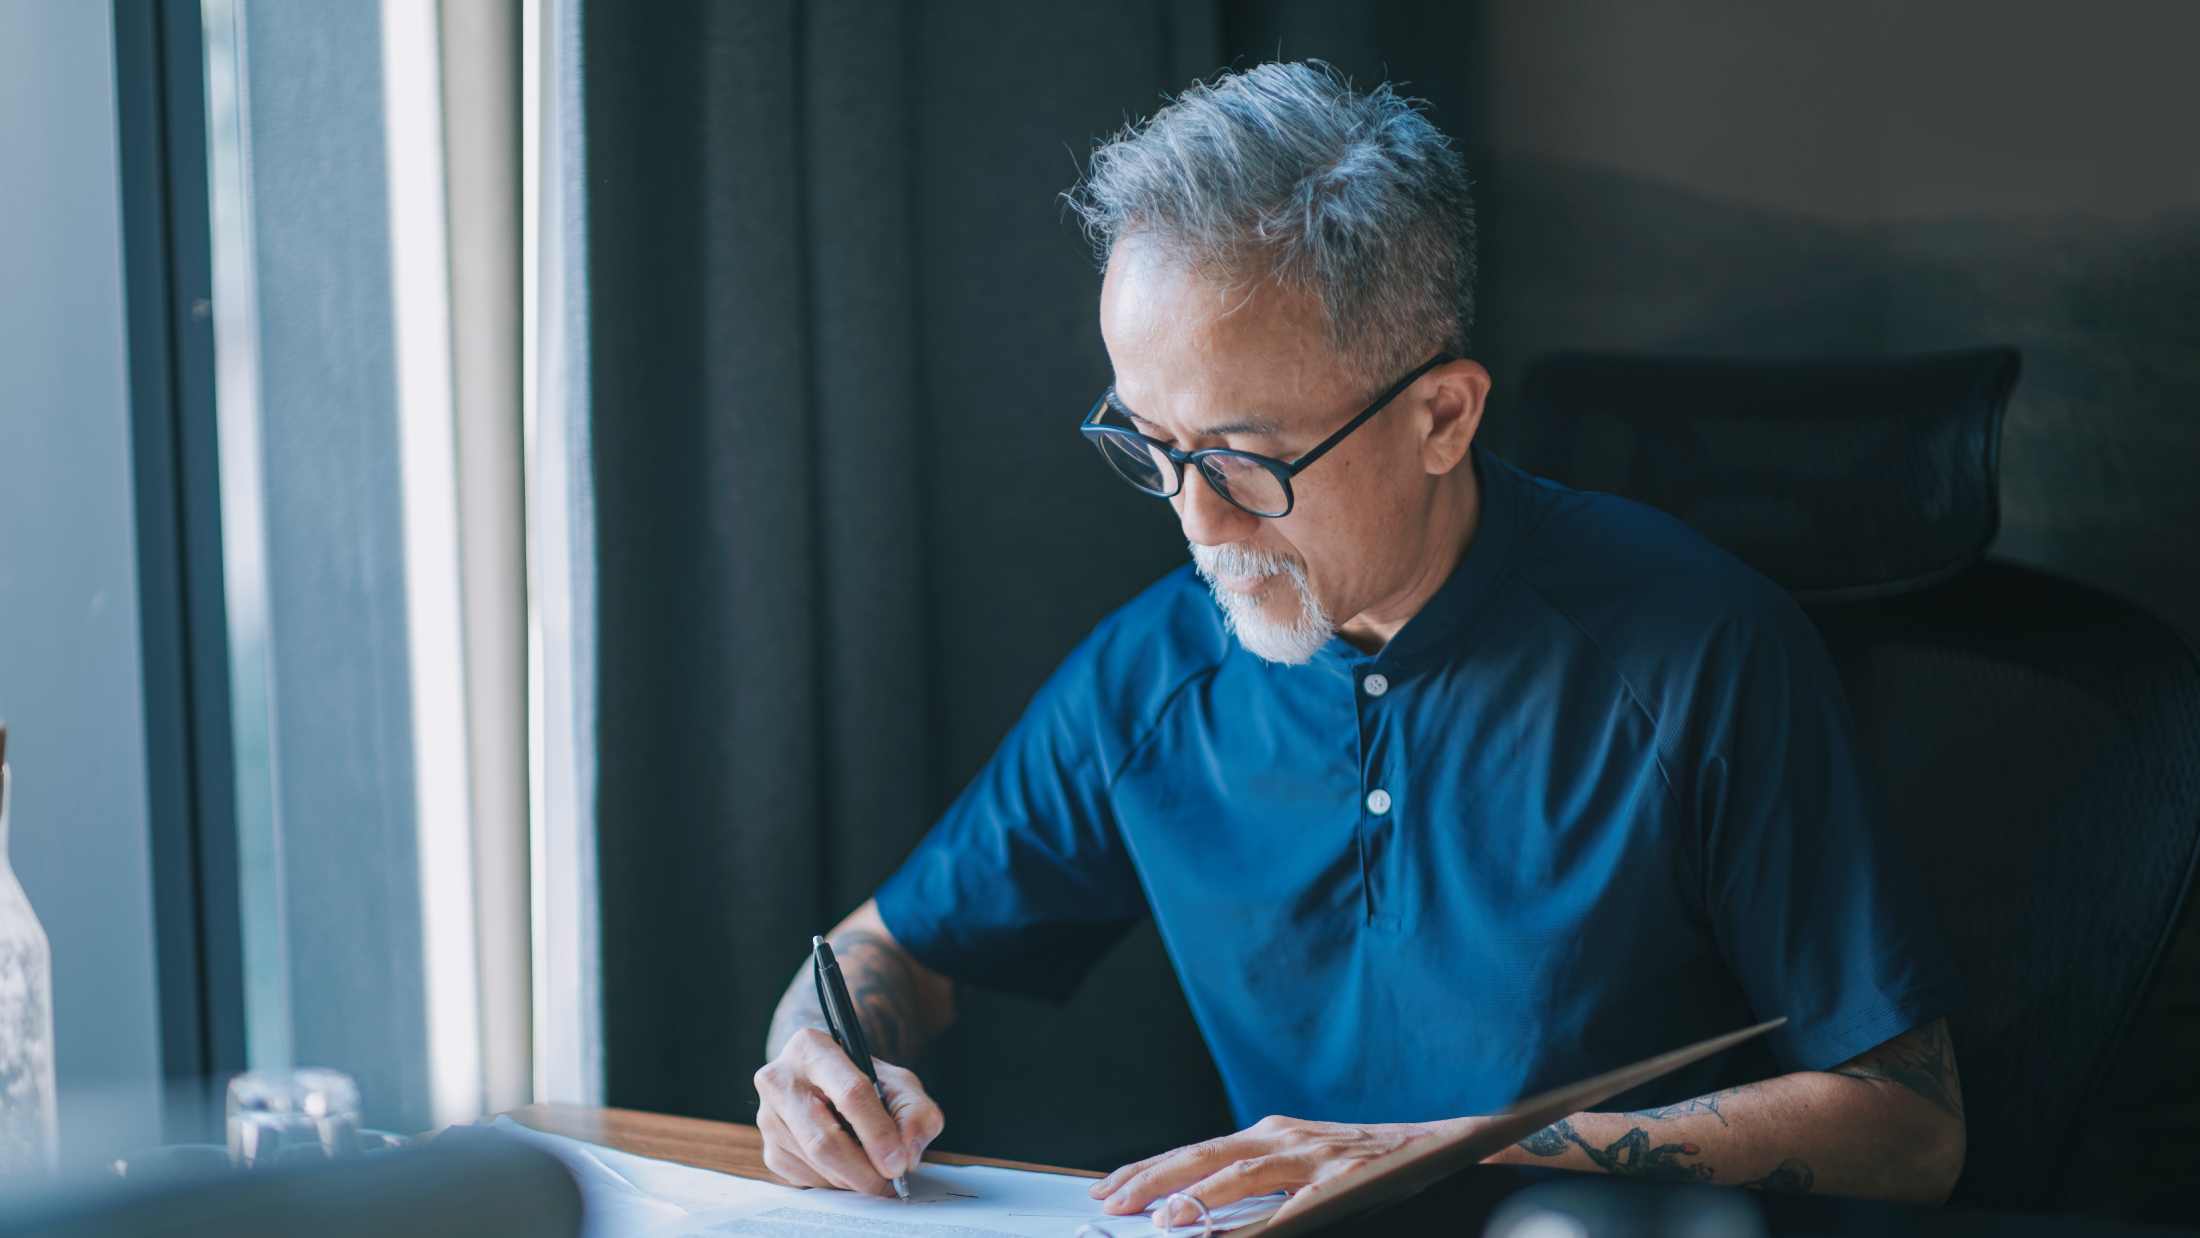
[[817, 978]]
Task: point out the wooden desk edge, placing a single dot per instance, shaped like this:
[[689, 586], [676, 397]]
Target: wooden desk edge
[[724, 1147]]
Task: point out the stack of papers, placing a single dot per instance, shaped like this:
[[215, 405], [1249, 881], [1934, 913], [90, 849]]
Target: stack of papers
[[628, 1196]]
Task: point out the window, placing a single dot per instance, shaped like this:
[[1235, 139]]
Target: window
[[373, 548]]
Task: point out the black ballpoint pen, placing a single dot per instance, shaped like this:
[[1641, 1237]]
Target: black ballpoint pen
[[840, 1019]]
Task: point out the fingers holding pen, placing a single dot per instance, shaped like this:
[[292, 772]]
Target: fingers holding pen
[[779, 1156], [827, 1145], [913, 1108], [803, 1136], [855, 1098]]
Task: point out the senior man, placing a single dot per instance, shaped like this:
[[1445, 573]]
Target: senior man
[[1443, 784]]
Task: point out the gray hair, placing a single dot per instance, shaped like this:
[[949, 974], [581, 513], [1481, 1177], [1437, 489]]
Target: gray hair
[[1285, 172]]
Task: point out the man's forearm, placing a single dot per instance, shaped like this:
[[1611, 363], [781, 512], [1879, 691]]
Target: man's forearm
[[901, 1004], [1888, 1125]]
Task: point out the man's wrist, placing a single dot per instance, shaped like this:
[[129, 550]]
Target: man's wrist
[[1443, 1128], [1510, 1154], [788, 1021], [1541, 1146]]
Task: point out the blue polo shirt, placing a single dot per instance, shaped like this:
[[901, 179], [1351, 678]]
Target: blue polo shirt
[[1598, 799]]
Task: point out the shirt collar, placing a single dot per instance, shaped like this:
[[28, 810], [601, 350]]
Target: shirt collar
[[1466, 592]]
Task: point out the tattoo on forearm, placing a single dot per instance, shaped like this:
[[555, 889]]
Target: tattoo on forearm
[[1550, 1141], [1688, 1108], [1922, 1060], [883, 986], [1632, 1155], [1790, 1176]]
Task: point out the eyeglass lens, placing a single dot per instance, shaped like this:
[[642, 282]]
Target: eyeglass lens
[[1240, 479], [1139, 463], [1246, 483]]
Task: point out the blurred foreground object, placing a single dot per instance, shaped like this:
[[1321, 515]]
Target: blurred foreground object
[[451, 1188], [1592, 1208], [277, 1117], [27, 1110], [274, 1119]]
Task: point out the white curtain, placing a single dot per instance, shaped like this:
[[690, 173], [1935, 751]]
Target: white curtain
[[568, 1023]]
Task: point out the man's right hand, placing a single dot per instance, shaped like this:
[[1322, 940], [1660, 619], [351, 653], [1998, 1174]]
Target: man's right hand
[[806, 1091]]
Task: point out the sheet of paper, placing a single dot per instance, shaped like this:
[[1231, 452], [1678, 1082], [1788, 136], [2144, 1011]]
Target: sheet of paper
[[945, 1201], [630, 1196], [634, 1193]]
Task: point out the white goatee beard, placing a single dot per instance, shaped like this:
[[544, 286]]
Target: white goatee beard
[[1290, 643]]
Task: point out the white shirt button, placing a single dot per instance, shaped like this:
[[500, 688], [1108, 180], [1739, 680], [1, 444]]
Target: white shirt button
[[1376, 685], [1378, 801]]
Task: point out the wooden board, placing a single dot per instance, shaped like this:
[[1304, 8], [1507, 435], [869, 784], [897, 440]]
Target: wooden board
[[1409, 1169]]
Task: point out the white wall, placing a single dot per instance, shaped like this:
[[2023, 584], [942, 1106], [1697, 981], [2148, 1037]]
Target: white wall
[[70, 681]]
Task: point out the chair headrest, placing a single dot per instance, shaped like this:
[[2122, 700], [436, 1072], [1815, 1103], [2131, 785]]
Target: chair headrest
[[1840, 479]]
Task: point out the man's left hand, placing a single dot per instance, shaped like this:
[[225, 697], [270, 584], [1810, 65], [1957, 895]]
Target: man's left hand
[[1274, 1154]]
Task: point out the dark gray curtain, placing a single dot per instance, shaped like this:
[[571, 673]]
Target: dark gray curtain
[[841, 331]]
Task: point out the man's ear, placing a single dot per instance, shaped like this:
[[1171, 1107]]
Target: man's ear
[[1453, 408]]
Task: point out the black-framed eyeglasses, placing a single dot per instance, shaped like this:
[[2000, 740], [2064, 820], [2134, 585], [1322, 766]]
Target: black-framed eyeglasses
[[1252, 483]]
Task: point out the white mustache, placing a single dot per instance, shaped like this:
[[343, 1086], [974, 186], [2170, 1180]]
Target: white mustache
[[1241, 561]]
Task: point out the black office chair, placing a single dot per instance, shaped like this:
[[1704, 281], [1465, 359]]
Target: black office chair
[[2037, 740]]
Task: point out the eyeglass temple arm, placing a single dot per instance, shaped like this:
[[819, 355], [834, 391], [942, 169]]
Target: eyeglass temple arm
[[1381, 402]]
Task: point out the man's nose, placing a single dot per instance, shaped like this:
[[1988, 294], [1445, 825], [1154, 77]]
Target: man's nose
[[1207, 517]]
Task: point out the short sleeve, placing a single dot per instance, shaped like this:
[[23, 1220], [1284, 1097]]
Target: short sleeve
[[1025, 883], [1817, 907]]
